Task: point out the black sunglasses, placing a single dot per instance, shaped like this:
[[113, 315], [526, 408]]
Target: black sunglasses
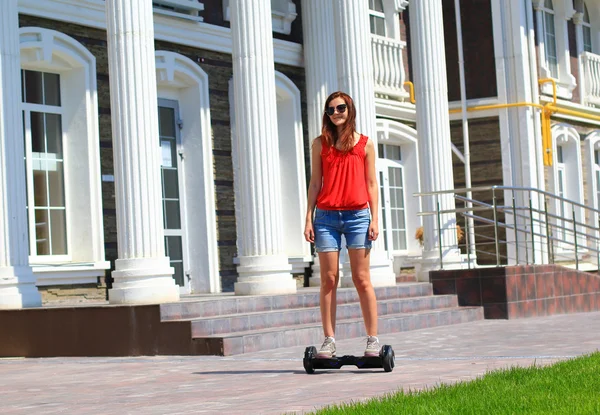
[[340, 108]]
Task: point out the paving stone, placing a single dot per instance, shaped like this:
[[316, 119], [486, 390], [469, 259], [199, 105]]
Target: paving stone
[[274, 381]]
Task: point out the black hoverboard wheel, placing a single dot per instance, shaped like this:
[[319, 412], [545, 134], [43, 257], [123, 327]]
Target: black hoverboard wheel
[[387, 356], [309, 355]]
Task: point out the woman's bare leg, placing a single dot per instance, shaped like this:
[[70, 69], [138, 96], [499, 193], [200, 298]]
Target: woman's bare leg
[[330, 275], [360, 261]]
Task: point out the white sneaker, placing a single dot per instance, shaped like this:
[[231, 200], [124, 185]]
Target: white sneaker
[[372, 346], [327, 350]]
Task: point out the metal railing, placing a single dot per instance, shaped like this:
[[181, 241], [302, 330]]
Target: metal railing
[[501, 225]]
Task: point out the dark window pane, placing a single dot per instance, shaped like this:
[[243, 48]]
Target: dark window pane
[[37, 133], [172, 215], [22, 85], [58, 230], [40, 192], [178, 275], [170, 184], [54, 134], [33, 87], [166, 121], [41, 232], [56, 184], [174, 250], [52, 89]]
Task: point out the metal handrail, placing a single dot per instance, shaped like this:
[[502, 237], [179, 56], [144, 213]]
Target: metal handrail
[[555, 234], [484, 188]]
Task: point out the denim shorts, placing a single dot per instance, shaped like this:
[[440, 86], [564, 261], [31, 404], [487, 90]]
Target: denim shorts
[[330, 225]]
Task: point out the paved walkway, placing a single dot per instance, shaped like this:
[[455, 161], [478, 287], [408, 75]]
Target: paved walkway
[[274, 382]]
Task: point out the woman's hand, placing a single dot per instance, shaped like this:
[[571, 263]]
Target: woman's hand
[[373, 231], [309, 232]]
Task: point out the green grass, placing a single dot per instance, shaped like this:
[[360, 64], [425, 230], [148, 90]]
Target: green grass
[[567, 387]]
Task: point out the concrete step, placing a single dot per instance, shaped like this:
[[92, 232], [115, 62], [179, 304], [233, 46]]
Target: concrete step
[[406, 277], [191, 307], [296, 316], [307, 334]]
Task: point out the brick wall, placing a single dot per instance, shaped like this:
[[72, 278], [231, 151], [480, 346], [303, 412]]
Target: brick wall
[[486, 170]]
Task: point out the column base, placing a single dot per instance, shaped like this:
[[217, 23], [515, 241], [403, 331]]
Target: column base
[[143, 281], [431, 262], [315, 279], [382, 271], [264, 275], [18, 289]]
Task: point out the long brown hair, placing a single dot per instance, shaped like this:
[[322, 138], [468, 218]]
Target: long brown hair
[[329, 131]]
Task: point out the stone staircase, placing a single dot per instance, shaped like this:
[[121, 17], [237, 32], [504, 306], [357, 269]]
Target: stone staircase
[[233, 325]]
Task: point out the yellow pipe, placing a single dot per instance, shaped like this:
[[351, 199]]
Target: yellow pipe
[[412, 91], [553, 82], [547, 111]]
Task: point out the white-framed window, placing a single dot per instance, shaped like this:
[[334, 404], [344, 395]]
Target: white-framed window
[[566, 181], [187, 173], [597, 176], [283, 14], [186, 9], [62, 158], [44, 164], [392, 186], [552, 35], [587, 30], [549, 35], [377, 18], [592, 164], [561, 173]]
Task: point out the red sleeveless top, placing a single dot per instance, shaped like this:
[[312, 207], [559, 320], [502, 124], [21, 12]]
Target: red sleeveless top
[[344, 181]]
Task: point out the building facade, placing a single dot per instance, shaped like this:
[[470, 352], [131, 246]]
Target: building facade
[[162, 148]]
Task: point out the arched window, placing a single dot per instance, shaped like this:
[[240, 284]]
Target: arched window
[[62, 158], [187, 172], [396, 166], [377, 18], [566, 181]]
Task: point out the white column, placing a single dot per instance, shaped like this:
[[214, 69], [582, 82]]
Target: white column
[[355, 77], [17, 282], [433, 126], [321, 74], [142, 272], [264, 267], [578, 22], [319, 59], [520, 128]]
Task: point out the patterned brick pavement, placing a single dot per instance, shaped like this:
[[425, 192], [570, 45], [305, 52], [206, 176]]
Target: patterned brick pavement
[[274, 382]]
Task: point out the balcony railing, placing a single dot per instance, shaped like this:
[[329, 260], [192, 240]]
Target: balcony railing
[[388, 67], [590, 87]]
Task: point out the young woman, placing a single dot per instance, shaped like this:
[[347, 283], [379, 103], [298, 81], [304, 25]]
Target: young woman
[[343, 186]]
